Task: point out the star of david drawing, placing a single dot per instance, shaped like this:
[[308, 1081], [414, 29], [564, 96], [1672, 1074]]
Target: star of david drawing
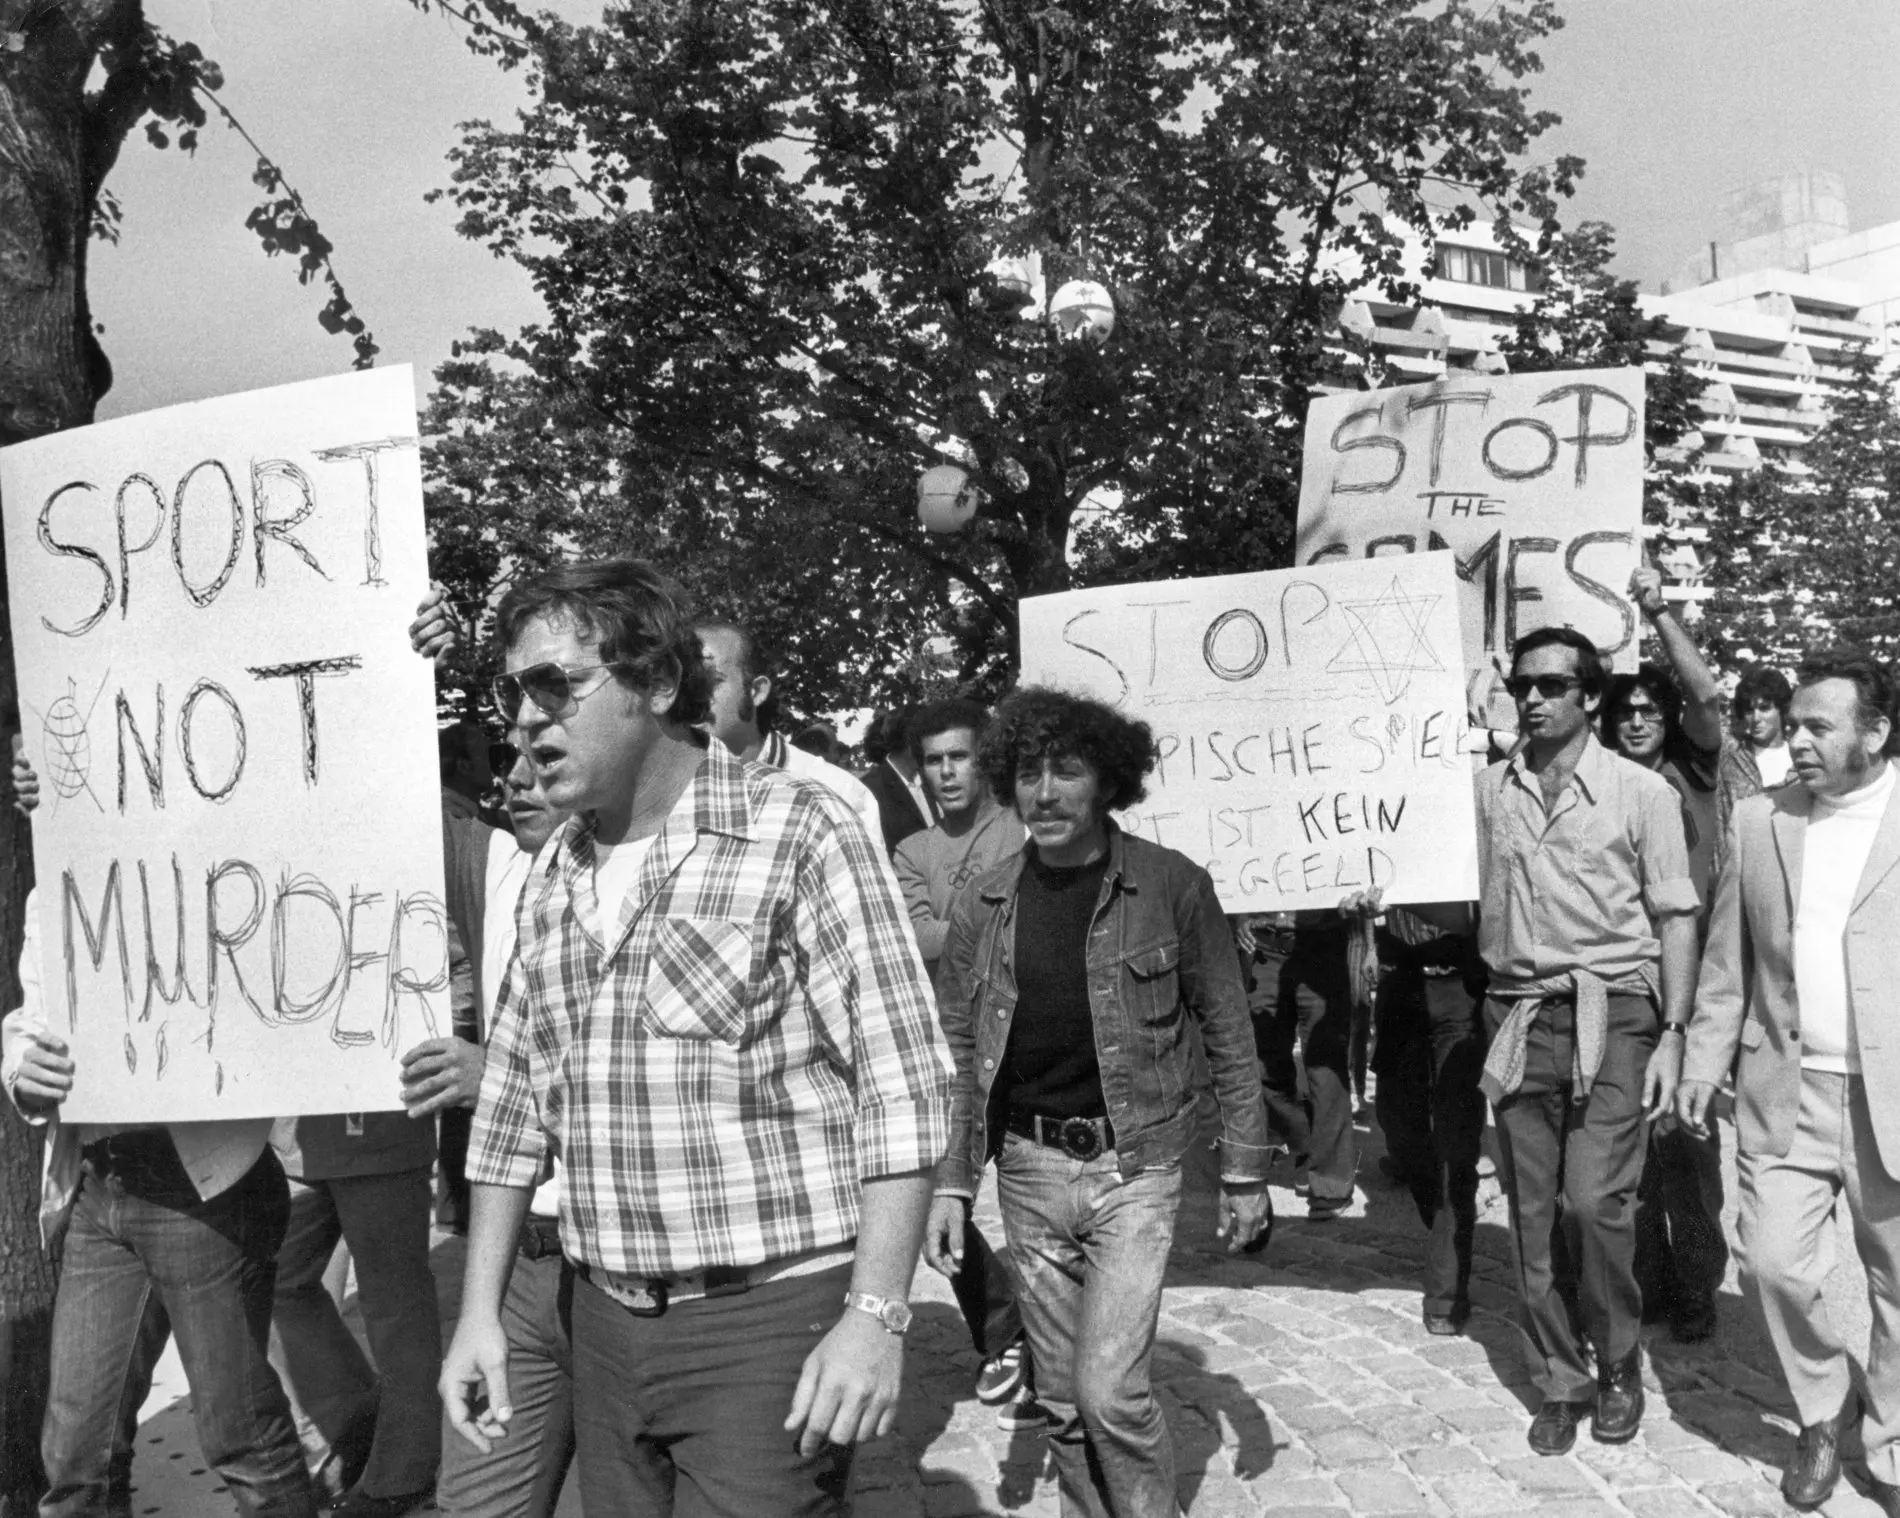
[[1388, 640]]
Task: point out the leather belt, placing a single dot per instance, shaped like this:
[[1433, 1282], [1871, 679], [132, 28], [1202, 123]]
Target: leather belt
[[131, 1148], [1081, 1138], [540, 1238], [650, 1296]]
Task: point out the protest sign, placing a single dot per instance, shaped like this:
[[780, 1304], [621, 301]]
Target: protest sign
[[1309, 723], [239, 841], [1534, 481]]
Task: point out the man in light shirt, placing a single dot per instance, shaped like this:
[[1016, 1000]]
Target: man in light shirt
[[1799, 993]]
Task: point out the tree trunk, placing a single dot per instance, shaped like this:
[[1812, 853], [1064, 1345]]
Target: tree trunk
[[51, 375]]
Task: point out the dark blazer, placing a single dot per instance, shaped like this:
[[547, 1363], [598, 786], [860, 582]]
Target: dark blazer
[[896, 806]]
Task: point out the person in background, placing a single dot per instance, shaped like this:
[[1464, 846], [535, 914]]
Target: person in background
[[745, 710], [1755, 752], [1799, 995], [1674, 728], [972, 835], [522, 1475], [1304, 996], [1071, 975], [903, 803]]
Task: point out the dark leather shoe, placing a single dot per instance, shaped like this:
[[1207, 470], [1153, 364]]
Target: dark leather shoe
[[1619, 1409], [1811, 1476], [1554, 1429], [360, 1505]]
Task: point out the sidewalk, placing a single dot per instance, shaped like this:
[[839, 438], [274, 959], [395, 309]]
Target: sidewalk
[[1301, 1385]]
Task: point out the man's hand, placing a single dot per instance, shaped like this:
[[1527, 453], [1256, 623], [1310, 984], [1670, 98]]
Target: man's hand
[[1244, 1212], [26, 785], [1646, 590], [1659, 1079], [848, 1392], [1364, 905], [943, 1234], [474, 1382], [434, 634], [442, 1073], [1692, 1105], [46, 1075]]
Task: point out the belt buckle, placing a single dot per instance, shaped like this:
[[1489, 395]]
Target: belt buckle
[[1081, 1139]]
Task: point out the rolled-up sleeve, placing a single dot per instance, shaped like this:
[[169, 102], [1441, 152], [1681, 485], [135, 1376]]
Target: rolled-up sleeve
[[867, 986], [1663, 849]]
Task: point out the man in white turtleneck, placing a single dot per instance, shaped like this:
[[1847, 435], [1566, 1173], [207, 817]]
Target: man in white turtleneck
[[1800, 996]]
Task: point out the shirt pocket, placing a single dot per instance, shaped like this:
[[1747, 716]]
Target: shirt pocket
[[698, 978], [1154, 981]]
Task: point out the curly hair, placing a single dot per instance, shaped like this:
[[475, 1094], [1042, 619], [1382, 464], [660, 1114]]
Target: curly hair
[[1660, 689], [1759, 683], [641, 620], [945, 716], [1037, 722]]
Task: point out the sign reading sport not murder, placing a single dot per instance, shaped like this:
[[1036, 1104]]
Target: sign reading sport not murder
[[238, 843], [1534, 482], [1310, 723]]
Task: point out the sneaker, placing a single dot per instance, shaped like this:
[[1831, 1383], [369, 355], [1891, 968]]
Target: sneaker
[[1024, 1413], [1002, 1375]]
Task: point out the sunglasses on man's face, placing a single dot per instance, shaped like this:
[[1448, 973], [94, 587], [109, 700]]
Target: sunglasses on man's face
[[1550, 687], [549, 686]]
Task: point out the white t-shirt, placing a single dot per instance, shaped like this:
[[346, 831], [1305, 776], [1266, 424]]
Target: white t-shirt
[[1839, 838], [1774, 764], [616, 867]]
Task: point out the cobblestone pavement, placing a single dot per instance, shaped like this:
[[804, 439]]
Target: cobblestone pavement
[[1304, 1385], [1300, 1384]]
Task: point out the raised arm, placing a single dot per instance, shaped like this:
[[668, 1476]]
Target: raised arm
[[1701, 699]]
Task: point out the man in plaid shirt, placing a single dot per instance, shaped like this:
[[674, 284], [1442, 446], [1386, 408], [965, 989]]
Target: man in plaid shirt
[[718, 1017]]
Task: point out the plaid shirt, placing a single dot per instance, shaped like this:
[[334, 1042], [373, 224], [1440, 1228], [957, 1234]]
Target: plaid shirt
[[756, 1040]]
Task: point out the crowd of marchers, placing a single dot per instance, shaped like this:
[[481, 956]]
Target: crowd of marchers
[[738, 1035]]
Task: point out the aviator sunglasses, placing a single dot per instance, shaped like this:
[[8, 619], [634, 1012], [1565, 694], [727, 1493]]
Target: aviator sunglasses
[[549, 686]]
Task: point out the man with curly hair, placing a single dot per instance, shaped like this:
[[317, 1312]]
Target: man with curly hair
[[717, 1016], [1069, 975]]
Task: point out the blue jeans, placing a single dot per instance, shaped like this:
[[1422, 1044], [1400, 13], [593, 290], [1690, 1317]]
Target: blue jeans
[[1090, 1250], [522, 1476], [139, 1231]]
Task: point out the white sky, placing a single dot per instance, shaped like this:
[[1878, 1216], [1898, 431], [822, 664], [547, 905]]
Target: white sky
[[1672, 102]]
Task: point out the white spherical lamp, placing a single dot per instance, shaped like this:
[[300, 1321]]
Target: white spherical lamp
[[946, 500], [1015, 283], [1082, 308]]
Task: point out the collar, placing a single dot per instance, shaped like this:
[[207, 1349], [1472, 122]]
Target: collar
[[715, 802], [1004, 889], [1591, 775]]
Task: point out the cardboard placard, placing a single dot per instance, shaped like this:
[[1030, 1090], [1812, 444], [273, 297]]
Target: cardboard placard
[[1534, 481], [1310, 723], [239, 841]]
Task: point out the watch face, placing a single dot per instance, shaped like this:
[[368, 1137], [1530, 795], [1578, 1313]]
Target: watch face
[[896, 1316]]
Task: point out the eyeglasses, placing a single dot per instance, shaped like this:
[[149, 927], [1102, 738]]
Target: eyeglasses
[[549, 686], [1550, 687], [1649, 716]]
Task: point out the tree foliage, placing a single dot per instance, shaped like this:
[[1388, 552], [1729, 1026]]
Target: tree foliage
[[765, 233], [1811, 555]]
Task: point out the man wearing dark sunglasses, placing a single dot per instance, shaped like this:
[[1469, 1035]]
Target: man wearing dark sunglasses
[[1588, 928], [718, 1017]]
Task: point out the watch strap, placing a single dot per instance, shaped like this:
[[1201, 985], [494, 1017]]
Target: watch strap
[[1680, 1029]]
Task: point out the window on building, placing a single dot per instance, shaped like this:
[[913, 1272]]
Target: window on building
[[1479, 266]]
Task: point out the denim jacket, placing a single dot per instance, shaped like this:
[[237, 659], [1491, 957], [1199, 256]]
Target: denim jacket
[[1158, 951]]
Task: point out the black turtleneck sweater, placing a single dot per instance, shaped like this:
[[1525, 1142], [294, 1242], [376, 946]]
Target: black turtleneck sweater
[[1049, 1066]]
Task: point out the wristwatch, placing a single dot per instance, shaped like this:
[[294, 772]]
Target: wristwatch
[[1681, 1030], [893, 1314]]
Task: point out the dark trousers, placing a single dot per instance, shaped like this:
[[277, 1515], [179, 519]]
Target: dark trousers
[[1576, 1166], [985, 1293], [1302, 994], [139, 1231], [1431, 1049], [687, 1410], [1681, 1255]]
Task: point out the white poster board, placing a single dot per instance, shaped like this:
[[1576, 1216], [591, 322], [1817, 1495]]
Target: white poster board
[[1309, 722], [239, 841], [1534, 481]]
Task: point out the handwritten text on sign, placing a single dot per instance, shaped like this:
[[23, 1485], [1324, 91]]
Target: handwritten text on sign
[[1309, 723], [239, 843], [1534, 481]]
